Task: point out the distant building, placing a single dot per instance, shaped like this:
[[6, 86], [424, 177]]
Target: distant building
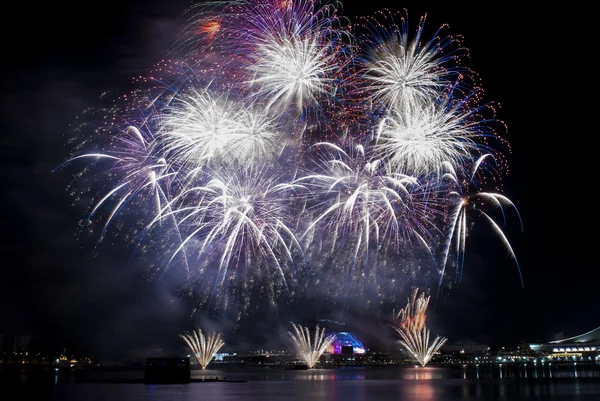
[[22, 344], [465, 348], [219, 356], [578, 346]]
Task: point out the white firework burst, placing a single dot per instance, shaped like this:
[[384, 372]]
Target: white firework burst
[[294, 51], [400, 69], [419, 140], [292, 70], [204, 127]]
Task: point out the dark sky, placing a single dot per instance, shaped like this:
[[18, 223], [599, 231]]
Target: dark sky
[[58, 59]]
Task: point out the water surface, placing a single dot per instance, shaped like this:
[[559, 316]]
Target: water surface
[[389, 383]]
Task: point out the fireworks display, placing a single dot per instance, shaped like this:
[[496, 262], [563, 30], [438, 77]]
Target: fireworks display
[[310, 348], [414, 334], [286, 151], [203, 347]]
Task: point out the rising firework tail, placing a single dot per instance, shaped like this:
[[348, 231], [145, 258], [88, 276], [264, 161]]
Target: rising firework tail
[[411, 328]]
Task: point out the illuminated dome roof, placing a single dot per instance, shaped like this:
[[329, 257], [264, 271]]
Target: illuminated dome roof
[[343, 338]]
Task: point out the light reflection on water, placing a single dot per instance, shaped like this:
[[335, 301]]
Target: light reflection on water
[[407, 373], [431, 383]]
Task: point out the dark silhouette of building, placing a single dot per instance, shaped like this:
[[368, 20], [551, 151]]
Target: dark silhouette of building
[[167, 370], [22, 343]]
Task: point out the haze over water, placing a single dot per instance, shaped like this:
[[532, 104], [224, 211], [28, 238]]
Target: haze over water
[[408, 383]]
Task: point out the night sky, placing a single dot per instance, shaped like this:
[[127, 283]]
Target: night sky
[[59, 59]]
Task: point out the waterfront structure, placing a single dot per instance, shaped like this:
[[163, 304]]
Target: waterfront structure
[[582, 346], [345, 341]]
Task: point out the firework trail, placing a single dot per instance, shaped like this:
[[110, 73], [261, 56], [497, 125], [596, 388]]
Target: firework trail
[[239, 224], [414, 334], [203, 347], [310, 348], [144, 176], [363, 208], [467, 202]]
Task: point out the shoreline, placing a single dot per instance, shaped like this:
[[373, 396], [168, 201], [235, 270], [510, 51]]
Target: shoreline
[[143, 381], [227, 366]]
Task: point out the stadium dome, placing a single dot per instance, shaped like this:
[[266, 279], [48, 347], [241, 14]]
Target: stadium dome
[[345, 339]]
